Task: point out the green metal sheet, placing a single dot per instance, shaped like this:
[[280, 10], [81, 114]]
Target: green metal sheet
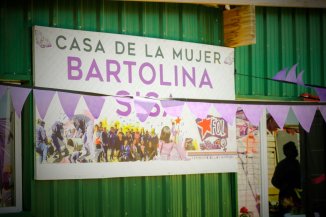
[[284, 37]]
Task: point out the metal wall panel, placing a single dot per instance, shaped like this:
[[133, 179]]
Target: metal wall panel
[[285, 36], [182, 195]]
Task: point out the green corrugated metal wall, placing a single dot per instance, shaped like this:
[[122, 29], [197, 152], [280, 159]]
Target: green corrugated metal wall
[[191, 195], [285, 36]]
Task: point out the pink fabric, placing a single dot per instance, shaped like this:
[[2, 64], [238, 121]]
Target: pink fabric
[[199, 109], [18, 97], [300, 80], [43, 99], [292, 75], [171, 151], [173, 108], [281, 75]]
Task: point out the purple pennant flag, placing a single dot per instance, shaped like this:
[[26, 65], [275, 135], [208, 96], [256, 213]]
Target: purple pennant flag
[[305, 115], [199, 109], [321, 93], [253, 113], [227, 111], [143, 107], [281, 75], [322, 110], [69, 102], [95, 104], [292, 76], [2, 90], [43, 99], [299, 79], [18, 97], [173, 108], [279, 113]]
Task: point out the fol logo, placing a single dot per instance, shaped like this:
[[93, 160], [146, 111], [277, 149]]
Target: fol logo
[[212, 127]]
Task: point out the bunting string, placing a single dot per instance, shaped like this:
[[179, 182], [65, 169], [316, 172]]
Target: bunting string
[[143, 106]]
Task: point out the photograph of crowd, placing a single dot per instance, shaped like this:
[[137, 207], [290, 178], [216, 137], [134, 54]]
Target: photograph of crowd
[[83, 140]]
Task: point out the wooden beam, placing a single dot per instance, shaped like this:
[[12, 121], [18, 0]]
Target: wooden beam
[[266, 3], [239, 26]]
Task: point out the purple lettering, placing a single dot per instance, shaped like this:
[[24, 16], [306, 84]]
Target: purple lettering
[[185, 75], [112, 72], [76, 68], [141, 76], [176, 83], [162, 82], [94, 68], [205, 80], [129, 64], [156, 106], [124, 102]]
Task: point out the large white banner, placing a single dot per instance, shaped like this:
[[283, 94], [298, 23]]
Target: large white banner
[[127, 137], [114, 64]]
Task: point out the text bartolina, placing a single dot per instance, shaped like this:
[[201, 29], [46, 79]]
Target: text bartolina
[[145, 72]]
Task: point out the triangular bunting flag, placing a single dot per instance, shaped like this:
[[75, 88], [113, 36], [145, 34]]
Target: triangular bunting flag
[[305, 115], [321, 93], [43, 99], [69, 102], [227, 111], [94, 104], [299, 79], [173, 108], [18, 97], [292, 76], [322, 110], [279, 113], [143, 107], [253, 112], [281, 75], [199, 109], [2, 90]]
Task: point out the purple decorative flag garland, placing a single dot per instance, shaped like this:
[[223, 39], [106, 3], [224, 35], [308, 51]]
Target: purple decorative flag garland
[[43, 99], [199, 109], [281, 75], [299, 79], [2, 90], [321, 93], [18, 97], [292, 76], [305, 115], [143, 107], [95, 104], [322, 110], [279, 113], [173, 108], [69, 102], [253, 112], [227, 111]]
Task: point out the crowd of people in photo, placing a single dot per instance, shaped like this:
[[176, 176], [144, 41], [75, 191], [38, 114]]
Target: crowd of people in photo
[[89, 142], [115, 145]]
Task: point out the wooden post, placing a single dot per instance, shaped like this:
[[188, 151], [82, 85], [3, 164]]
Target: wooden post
[[239, 26]]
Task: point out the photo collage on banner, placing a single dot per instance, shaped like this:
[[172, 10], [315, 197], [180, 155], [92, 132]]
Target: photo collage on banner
[[162, 143]]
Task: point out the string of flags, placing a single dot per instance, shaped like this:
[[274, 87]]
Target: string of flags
[[143, 106], [291, 77]]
